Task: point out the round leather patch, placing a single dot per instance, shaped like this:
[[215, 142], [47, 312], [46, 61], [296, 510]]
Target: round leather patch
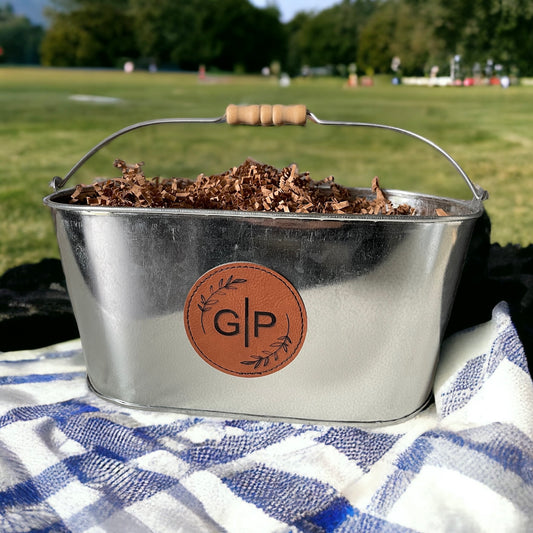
[[245, 319]]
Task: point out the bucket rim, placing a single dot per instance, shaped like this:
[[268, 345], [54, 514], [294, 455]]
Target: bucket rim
[[472, 208]]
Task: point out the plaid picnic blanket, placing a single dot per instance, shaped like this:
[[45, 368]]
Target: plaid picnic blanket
[[70, 461]]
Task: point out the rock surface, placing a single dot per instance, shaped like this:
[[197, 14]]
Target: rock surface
[[35, 309], [495, 273]]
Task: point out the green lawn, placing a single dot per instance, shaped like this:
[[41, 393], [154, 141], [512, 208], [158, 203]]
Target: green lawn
[[44, 132]]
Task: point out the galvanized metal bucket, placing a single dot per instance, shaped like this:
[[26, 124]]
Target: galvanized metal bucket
[[322, 318]]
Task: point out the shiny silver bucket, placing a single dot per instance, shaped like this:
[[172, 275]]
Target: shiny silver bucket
[[369, 295]]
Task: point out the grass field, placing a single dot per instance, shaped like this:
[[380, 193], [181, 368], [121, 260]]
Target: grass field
[[46, 127]]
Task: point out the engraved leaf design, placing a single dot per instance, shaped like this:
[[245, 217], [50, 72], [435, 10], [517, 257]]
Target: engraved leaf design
[[282, 343], [207, 303]]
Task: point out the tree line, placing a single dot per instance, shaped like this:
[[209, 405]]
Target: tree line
[[19, 39], [236, 36]]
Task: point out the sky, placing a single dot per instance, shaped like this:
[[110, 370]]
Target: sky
[[289, 8]]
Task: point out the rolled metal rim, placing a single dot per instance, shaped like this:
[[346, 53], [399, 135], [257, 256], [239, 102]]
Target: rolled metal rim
[[471, 208]]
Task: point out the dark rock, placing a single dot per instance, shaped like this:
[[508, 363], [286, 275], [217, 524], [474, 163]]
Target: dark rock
[[495, 273], [35, 309], [471, 306], [33, 277]]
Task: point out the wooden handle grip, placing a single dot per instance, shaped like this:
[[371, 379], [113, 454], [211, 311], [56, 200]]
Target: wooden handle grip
[[266, 115]]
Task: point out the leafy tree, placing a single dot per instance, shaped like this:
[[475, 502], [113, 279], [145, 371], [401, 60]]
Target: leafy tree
[[92, 33], [245, 36], [375, 43], [19, 38], [173, 31], [330, 37], [296, 43], [225, 34], [514, 39], [235, 35], [404, 29], [414, 39], [489, 29]]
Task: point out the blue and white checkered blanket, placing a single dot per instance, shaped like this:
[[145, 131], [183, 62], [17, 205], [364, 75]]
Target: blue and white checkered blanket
[[70, 461]]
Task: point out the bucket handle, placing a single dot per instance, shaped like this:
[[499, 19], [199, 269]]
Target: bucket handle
[[268, 115]]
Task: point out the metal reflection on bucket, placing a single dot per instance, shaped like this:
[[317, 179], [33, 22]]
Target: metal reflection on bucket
[[375, 290]]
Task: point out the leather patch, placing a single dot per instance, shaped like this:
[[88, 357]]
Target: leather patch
[[245, 319]]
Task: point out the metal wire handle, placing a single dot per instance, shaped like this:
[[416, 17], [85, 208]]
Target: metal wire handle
[[267, 115]]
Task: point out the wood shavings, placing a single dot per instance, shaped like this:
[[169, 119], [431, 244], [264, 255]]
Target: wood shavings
[[252, 186]]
